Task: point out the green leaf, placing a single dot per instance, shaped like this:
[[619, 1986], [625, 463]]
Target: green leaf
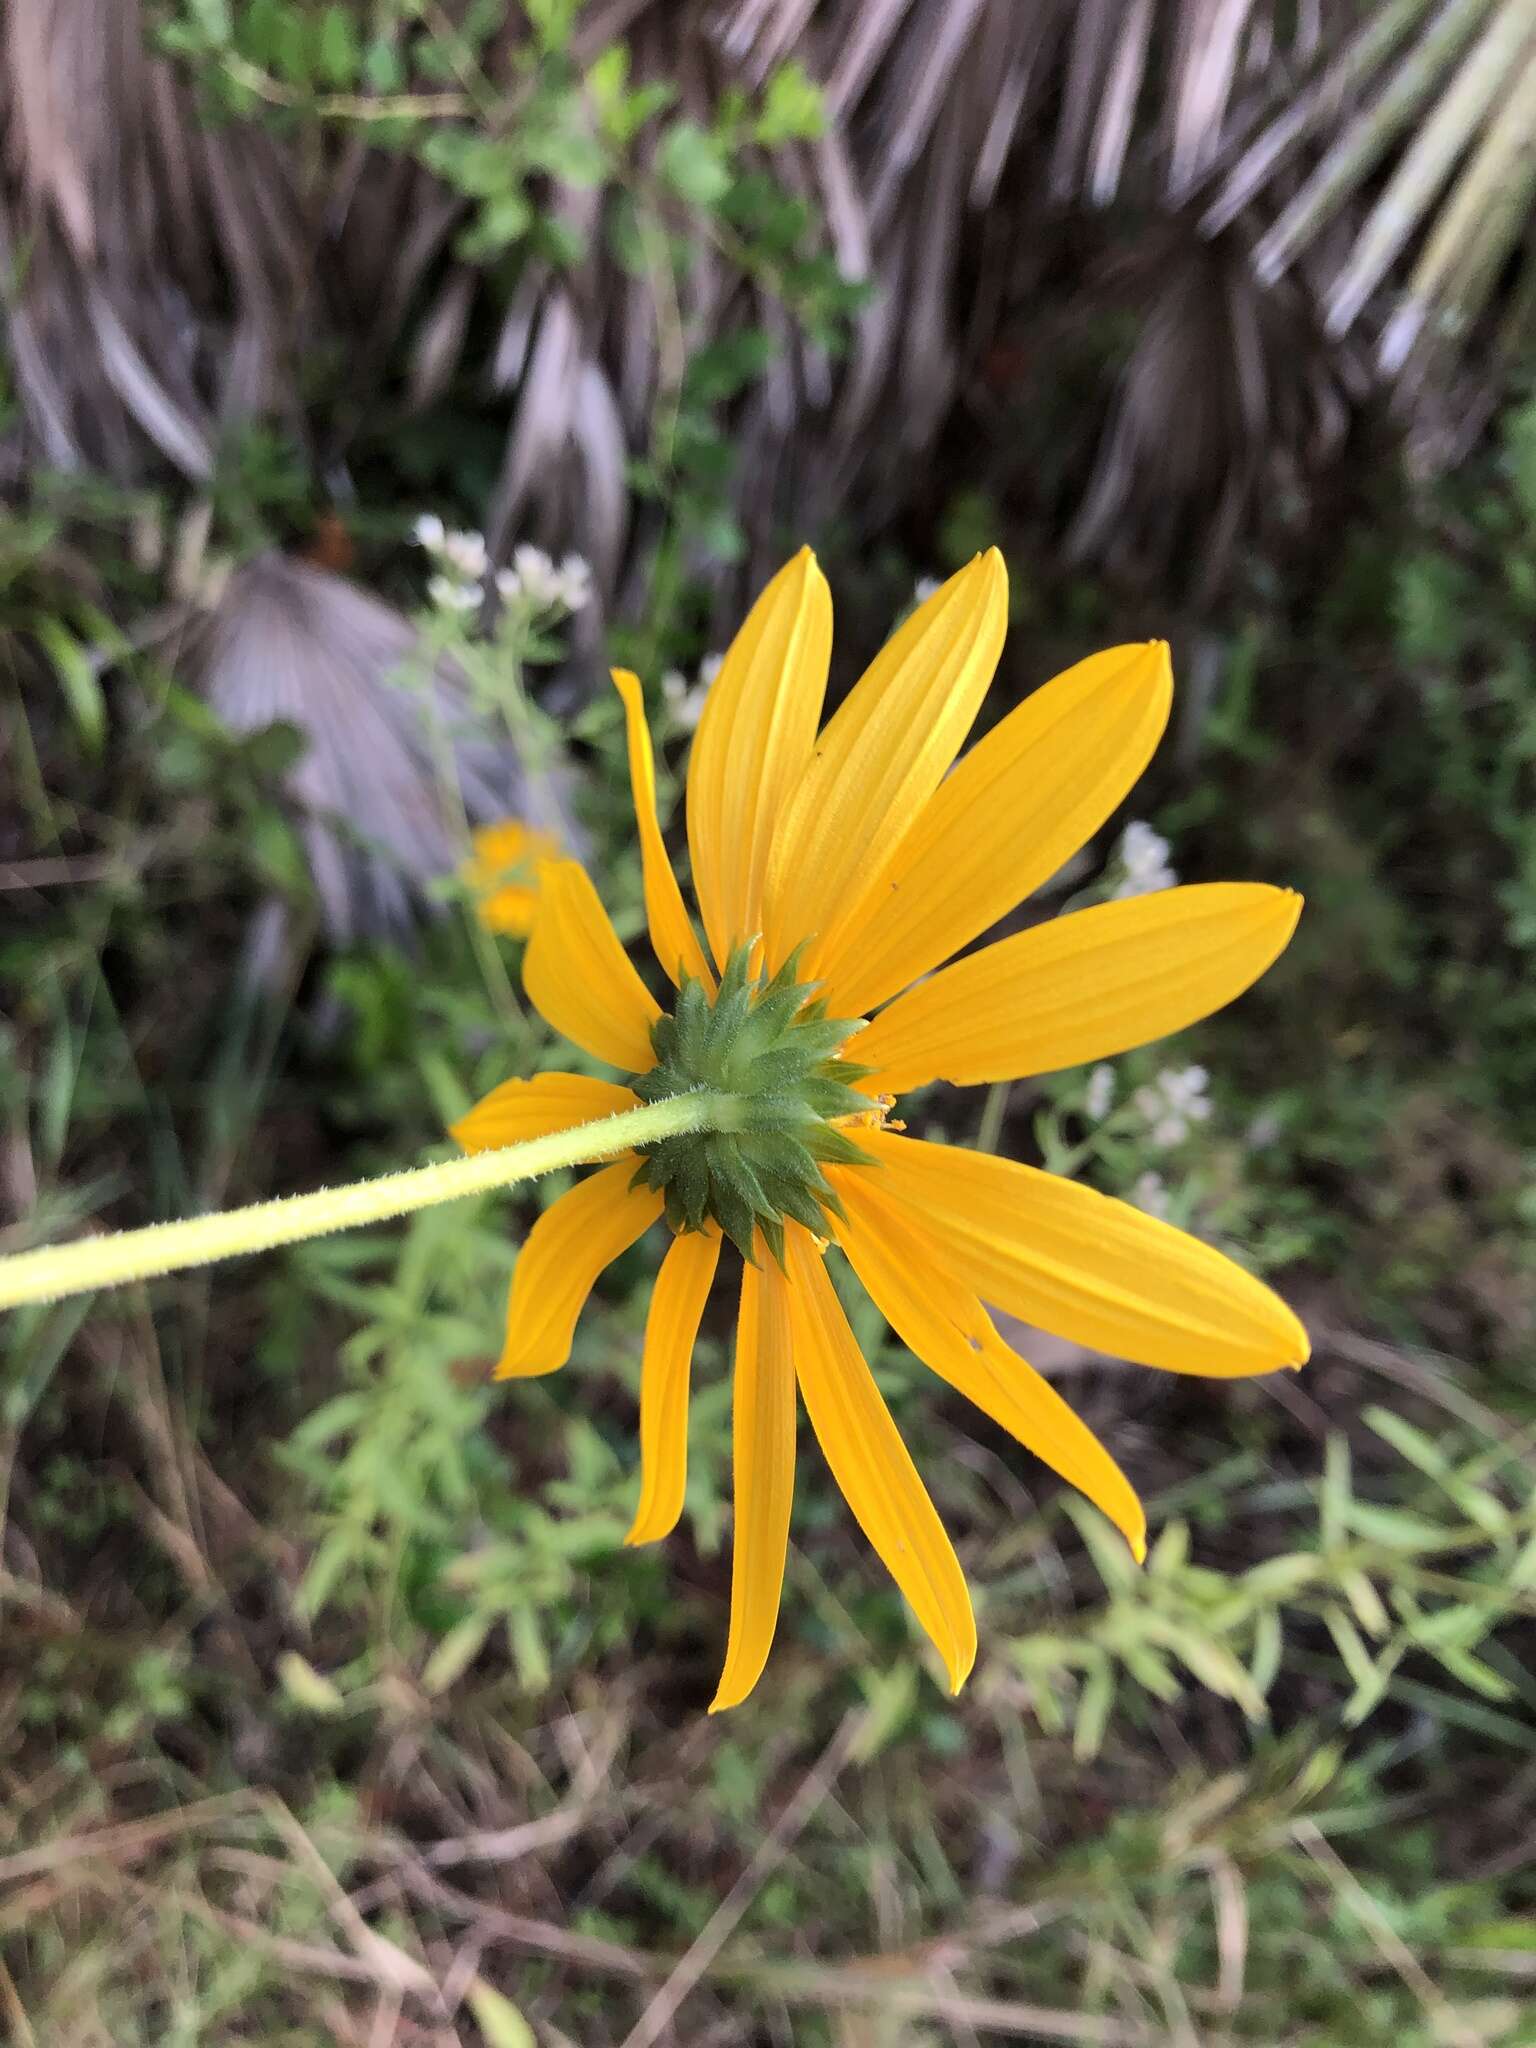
[[890, 1696], [473, 164], [1094, 1705], [381, 66], [1408, 1442], [1268, 1646], [693, 163], [1115, 1565], [338, 53], [1370, 1683], [793, 107], [498, 2018], [551, 22], [262, 26], [212, 18], [307, 1687], [499, 223], [77, 676], [607, 76], [567, 149], [1336, 1493], [455, 1653], [726, 366]]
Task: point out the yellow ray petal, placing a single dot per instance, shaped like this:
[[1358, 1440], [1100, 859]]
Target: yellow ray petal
[[870, 1462], [537, 1107], [752, 746], [578, 976], [672, 935], [883, 754], [561, 1257], [1087, 1267], [1015, 810], [763, 1462], [1082, 988], [671, 1329], [902, 1269]]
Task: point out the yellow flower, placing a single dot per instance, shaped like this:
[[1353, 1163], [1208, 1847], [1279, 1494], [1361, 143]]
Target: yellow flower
[[836, 872], [502, 875]]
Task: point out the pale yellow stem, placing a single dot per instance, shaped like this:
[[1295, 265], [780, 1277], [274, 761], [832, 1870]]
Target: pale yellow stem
[[92, 1262]]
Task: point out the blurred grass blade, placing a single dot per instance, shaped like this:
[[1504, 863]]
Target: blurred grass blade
[[78, 679]]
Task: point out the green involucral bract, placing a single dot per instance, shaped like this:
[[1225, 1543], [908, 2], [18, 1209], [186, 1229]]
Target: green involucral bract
[[768, 1042]]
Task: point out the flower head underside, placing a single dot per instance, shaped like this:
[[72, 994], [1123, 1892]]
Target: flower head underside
[[839, 871]]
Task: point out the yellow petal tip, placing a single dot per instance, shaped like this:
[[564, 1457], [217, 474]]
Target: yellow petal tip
[[1298, 1349], [509, 1367]]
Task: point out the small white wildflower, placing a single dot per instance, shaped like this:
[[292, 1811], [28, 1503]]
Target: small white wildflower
[[1263, 1131], [924, 588], [709, 668], [685, 698], [450, 595], [1184, 1091], [1151, 1194], [428, 532], [537, 577], [1099, 1094], [574, 577], [1143, 860], [465, 554], [1171, 1103], [508, 588]]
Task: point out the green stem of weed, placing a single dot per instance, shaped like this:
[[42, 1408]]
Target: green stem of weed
[[59, 1270]]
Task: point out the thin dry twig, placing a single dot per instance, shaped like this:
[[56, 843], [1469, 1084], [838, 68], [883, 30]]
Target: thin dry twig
[[855, 1989], [507, 1845], [132, 1838], [1448, 2025], [391, 1964], [10, 2002], [771, 1851]]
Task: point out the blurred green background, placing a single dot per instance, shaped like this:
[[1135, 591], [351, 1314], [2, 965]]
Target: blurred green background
[[332, 1709]]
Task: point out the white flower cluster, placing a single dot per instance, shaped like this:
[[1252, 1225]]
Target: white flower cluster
[[687, 699], [459, 584], [462, 566], [535, 579], [1099, 1094], [924, 588], [1143, 862], [1174, 1102], [1151, 1194]]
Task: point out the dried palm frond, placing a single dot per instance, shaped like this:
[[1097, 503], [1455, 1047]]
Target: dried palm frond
[[1360, 175], [156, 270], [393, 761], [1259, 406], [1422, 127]]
